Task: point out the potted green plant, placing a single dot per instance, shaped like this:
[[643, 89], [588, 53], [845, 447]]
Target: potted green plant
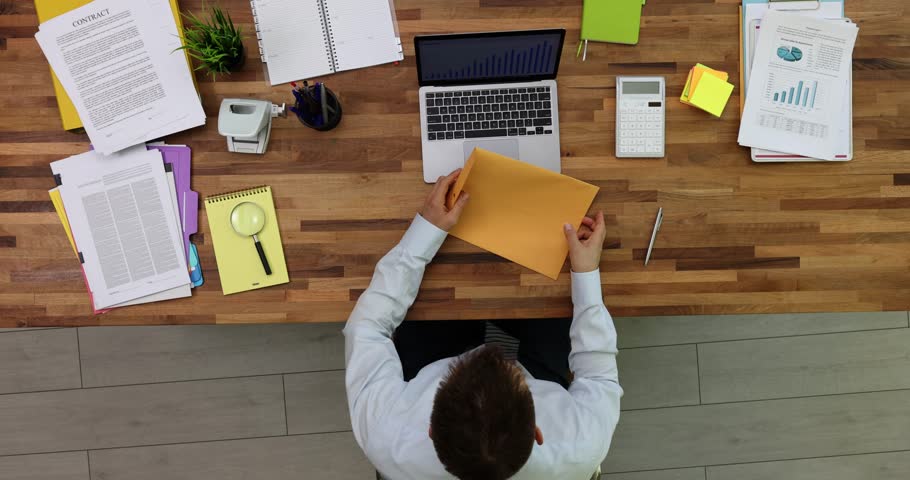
[[215, 43]]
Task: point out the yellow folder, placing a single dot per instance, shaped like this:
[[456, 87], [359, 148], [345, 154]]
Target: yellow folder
[[239, 266], [57, 200], [518, 210], [48, 9]]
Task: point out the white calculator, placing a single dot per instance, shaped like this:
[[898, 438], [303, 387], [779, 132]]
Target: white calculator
[[640, 117]]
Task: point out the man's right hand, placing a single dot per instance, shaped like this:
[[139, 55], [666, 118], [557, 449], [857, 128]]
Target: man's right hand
[[587, 244], [434, 208]]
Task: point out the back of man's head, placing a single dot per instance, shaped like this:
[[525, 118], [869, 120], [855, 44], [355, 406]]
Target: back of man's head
[[483, 422]]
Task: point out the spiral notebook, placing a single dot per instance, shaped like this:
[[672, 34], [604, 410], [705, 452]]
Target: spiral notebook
[[239, 266], [302, 39]]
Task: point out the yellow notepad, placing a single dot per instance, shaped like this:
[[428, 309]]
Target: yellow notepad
[[518, 210], [239, 266]]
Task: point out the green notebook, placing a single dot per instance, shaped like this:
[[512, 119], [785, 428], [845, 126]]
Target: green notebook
[[614, 21]]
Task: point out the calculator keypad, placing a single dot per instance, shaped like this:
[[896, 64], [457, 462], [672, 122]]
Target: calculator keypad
[[640, 130]]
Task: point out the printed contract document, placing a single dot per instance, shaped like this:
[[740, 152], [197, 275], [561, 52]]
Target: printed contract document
[[797, 94], [117, 62]]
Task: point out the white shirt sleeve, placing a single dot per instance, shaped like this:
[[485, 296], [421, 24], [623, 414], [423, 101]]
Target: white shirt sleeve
[[595, 388], [373, 376]]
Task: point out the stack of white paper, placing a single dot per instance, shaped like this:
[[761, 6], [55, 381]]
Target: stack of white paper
[[798, 95], [117, 62], [125, 223]]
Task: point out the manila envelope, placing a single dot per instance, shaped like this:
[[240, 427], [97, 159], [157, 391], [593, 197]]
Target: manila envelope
[[518, 210]]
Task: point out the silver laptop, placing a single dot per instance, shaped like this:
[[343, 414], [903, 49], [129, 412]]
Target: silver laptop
[[494, 90]]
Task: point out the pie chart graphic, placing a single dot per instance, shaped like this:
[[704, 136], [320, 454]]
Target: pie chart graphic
[[789, 54]]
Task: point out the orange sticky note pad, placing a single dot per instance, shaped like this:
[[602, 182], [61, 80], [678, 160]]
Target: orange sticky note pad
[[517, 210]]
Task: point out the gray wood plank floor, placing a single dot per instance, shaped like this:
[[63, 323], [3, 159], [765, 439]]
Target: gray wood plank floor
[[744, 397]]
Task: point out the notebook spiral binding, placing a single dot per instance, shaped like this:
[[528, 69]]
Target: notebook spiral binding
[[258, 33], [221, 197], [326, 21]]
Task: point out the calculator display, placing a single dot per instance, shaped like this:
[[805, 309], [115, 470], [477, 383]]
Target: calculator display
[[652, 88]]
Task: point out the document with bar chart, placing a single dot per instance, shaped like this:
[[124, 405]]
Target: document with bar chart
[[799, 87]]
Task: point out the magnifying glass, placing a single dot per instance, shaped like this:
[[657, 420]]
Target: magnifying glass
[[247, 219]]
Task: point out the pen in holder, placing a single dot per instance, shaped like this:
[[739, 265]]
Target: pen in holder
[[316, 107]]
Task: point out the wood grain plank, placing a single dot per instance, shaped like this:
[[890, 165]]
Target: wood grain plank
[[7, 207], [354, 225], [51, 466], [844, 203], [802, 366], [141, 415], [700, 253], [769, 430], [877, 466], [38, 360], [316, 402], [129, 355], [329, 456], [658, 377], [738, 264], [674, 330]]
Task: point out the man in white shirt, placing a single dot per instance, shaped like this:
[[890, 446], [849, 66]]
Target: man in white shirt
[[474, 415]]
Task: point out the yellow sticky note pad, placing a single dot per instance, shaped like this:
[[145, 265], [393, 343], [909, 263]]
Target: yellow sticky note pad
[[699, 73], [695, 76], [711, 95]]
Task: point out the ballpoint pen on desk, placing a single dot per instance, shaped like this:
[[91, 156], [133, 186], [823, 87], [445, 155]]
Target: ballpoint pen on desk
[[657, 222], [306, 105], [324, 102], [582, 50]]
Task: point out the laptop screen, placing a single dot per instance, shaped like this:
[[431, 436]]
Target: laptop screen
[[492, 57]]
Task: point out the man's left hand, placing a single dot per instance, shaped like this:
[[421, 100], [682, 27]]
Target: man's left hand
[[434, 208]]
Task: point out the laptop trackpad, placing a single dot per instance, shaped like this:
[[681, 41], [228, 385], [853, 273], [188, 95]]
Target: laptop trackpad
[[506, 146]]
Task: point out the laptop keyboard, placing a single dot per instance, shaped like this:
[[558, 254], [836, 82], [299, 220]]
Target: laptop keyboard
[[497, 112]]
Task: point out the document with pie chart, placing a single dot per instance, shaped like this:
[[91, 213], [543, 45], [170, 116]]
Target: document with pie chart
[[798, 86]]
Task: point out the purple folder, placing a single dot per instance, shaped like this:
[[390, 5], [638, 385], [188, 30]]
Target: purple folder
[[188, 200]]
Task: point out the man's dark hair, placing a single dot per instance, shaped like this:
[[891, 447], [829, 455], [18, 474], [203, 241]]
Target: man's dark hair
[[483, 417]]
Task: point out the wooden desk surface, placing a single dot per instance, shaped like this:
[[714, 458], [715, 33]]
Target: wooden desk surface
[[737, 237]]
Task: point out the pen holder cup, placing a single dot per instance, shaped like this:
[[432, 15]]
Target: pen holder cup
[[333, 109]]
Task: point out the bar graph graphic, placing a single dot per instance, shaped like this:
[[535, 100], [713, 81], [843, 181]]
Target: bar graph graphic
[[800, 94], [536, 59]]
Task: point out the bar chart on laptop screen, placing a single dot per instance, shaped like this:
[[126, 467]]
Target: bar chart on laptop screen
[[466, 59]]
